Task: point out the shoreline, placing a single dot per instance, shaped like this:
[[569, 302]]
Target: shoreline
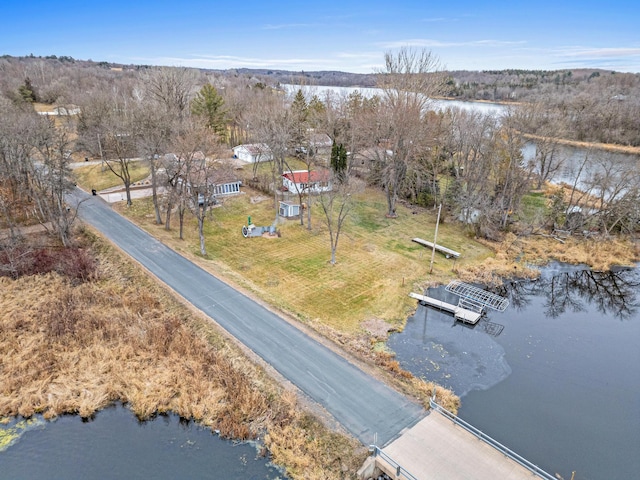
[[77, 348], [610, 147]]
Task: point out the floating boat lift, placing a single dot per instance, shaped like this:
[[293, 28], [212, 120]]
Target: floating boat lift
[[472, 302]]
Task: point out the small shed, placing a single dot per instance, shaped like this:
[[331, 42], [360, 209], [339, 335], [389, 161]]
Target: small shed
[[253, 152], [289, 210]]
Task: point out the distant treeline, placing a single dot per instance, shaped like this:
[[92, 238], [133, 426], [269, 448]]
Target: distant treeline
[[588, 104]]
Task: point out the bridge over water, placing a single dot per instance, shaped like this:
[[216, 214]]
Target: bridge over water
[[443, 446]]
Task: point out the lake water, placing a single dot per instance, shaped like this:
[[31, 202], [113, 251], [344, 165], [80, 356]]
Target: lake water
[[572, 159], [556, 377], [583, 164], [114, 445], [337, 92]]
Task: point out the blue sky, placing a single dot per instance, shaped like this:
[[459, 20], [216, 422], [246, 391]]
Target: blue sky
[[331, 35]]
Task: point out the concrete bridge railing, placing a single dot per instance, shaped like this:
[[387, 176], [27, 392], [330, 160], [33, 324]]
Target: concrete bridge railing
[[387, 464], [494, 443]]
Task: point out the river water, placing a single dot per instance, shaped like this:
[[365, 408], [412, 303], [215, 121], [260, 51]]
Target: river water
[[114, 445], [575, 164], [556, 377]]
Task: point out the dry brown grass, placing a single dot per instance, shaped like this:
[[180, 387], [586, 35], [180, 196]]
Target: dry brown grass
[[518, 256], [68, 348], [610, 147]]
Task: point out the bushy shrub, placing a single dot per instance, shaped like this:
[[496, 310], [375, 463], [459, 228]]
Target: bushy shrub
[[75, 263]]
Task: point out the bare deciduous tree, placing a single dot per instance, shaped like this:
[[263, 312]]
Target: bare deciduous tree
[[154, 131], [512, 179], [172, 87], [201, 177], [409, 82], [547, 130], [336, 205], [34, 167], [50, 178], [192, 176], [107, 129], [470, 145], [16, 126], [614, 192], [271, 123]]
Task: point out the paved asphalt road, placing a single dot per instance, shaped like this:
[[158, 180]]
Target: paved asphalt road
[[363, 405]]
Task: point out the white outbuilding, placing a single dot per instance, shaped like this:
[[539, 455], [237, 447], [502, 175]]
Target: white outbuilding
[[253, 152]]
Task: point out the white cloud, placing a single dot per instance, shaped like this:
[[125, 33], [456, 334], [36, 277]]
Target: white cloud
[[363, 56], [430, 43], [605, 52], [344, 62]]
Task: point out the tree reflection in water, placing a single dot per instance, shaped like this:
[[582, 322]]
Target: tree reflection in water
[[613, 292]]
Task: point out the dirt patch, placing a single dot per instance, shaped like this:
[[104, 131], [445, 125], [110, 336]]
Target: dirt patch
[[258, 199], [377, 327]]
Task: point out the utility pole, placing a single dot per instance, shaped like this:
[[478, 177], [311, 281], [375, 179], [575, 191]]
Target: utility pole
[[102, 168], [435, 240]]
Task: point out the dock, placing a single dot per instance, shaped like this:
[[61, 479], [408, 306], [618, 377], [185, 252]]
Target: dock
[[462, 314], [447, 251]]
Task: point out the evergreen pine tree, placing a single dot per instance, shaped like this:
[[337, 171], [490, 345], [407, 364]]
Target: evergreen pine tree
[[27, 92]]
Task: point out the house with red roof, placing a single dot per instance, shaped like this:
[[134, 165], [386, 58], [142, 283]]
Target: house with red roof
[[303, 181]]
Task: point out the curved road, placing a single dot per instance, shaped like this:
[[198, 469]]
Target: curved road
[[365, 406]]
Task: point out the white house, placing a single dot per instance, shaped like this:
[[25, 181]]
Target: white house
[[303, 181], [215, 182], [253, 152]]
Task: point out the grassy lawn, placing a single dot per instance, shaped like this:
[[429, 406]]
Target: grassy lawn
[[94, 176], [534, 205], [378, 264]]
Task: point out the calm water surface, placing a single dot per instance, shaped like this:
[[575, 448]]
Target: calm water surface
[[116, 446], [323, 91], [556, 377]]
